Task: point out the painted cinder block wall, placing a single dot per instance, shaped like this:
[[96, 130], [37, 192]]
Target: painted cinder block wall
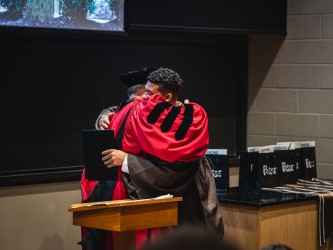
[[290, 93]]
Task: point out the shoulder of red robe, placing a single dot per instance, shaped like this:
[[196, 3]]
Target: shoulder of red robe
[[171, 116]]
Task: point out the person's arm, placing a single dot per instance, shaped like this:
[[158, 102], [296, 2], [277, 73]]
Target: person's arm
[[164, 177], [102, 120]]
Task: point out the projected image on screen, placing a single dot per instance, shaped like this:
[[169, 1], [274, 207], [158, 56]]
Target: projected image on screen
[[104, 15]]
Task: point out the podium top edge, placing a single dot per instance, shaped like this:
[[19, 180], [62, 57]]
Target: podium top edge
[[120, 203]]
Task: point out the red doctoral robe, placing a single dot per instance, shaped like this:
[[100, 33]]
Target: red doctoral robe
[[95, 190], [171, 142], [167, 132]]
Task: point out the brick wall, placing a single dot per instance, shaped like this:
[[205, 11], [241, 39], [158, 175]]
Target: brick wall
[[291, 82]]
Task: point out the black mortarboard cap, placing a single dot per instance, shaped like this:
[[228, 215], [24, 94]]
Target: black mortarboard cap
[[136, 77]]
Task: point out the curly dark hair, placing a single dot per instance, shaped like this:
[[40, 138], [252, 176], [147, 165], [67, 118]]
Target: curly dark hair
[[167, 80]]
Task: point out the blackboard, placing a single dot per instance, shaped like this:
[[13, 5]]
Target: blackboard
[[236, 16], [54, 88]]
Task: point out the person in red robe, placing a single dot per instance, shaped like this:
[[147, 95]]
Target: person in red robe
[[163, 152], [101, 190]]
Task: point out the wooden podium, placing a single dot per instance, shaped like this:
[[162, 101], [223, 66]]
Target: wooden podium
[[124, 217]]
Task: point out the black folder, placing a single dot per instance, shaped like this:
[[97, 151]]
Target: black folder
[[94, 142]]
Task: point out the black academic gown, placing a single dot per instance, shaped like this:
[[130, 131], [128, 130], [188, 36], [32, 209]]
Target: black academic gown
[[151, 177]]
